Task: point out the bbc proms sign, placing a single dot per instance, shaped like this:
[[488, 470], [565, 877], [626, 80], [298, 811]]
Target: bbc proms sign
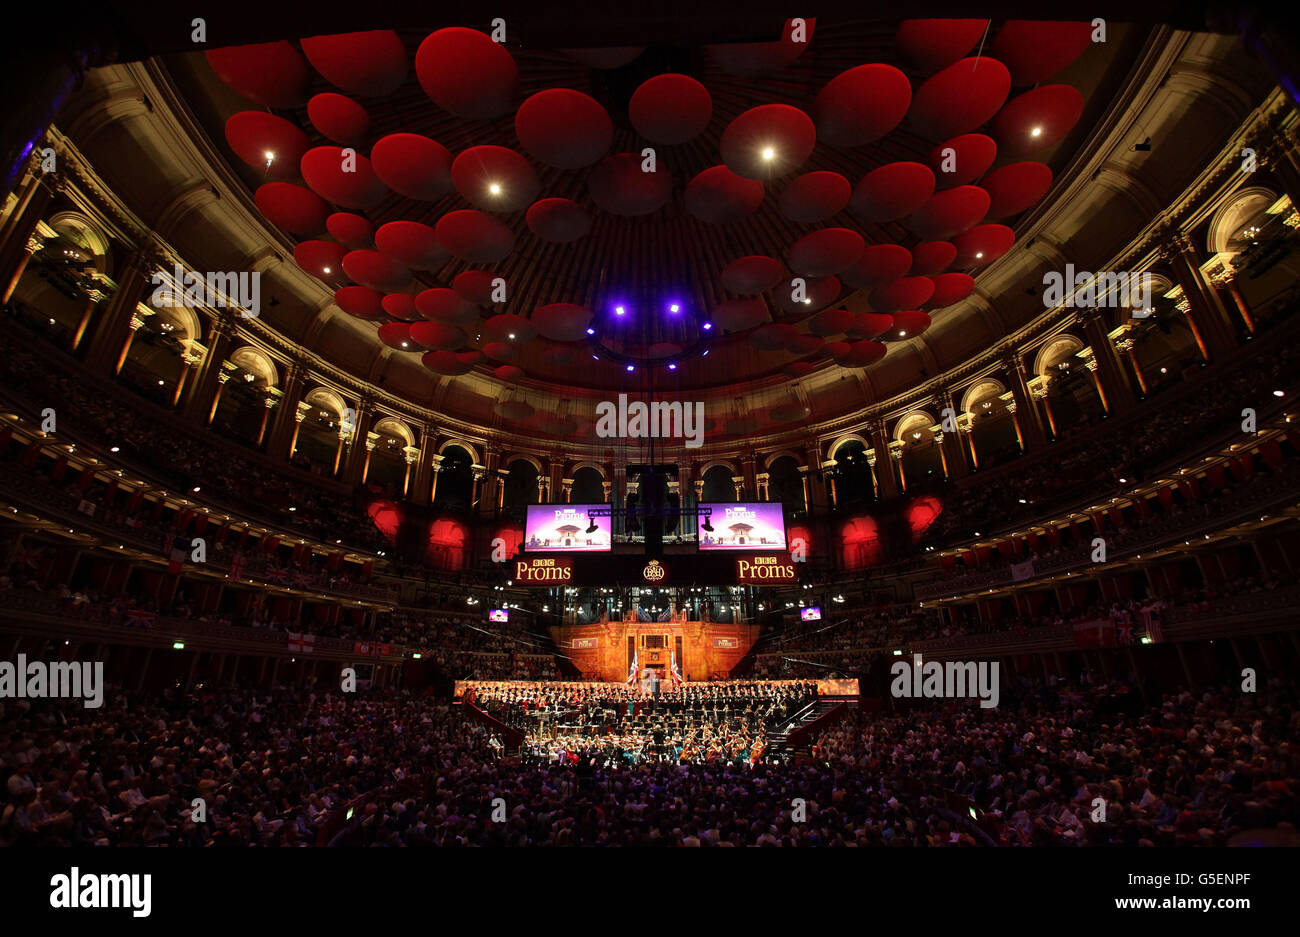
[[544, 571], [763, 570]]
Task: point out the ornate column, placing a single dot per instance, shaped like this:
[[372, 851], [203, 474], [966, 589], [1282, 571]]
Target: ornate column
[[205, 391], [749, 470], [954, 447], [738, 483], [23, 233], [480, 472], [35, 241], [420, 484], [1222, 277], [287, 414], [1204, 309], [1112, 383], [1029, 420], [141, 313], [94, 296], [1020, 435], [112, 330], [435, 468], [267, 406], [1127, 349], [937, 439], [807, 487], [606, 487], [764, 491], [372, 440], [542, 486], [412, 456], [885, 478], [566, 487], [190, 359], [358, 460], [300, 414]]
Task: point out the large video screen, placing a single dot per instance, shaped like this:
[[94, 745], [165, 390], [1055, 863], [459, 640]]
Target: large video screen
[[753, 526], [498, 614], [812, 613], [562, 528]]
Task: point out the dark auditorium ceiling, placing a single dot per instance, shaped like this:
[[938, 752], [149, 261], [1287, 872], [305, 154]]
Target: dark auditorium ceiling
[[774, 160]]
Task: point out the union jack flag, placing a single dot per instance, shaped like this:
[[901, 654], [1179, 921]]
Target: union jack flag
[[302, 578], [237, 564], [276, 574], [140, 617]]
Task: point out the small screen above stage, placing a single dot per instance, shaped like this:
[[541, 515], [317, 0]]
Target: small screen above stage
[[563, 528], [747, 526], [810, 614], [498, 614]]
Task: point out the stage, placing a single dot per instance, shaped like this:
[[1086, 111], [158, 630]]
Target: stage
[[703, 651]]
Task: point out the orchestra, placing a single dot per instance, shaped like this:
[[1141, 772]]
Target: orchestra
[[599, 723]]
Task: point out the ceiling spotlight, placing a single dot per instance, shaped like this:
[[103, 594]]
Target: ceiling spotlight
[[1278, 393], [326, 269], [404, 345], [591, 331], [494, 189], [707, 326], [674, 308], [769, 154], [1036, 132], [511, 336], [619, 310], [807, 302], [270, 157], [979, 254], [631, 367], [672, 367], [902, 334], [114, 449], [705, 355]]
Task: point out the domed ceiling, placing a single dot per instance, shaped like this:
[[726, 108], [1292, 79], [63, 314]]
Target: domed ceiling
[[678, 217]]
